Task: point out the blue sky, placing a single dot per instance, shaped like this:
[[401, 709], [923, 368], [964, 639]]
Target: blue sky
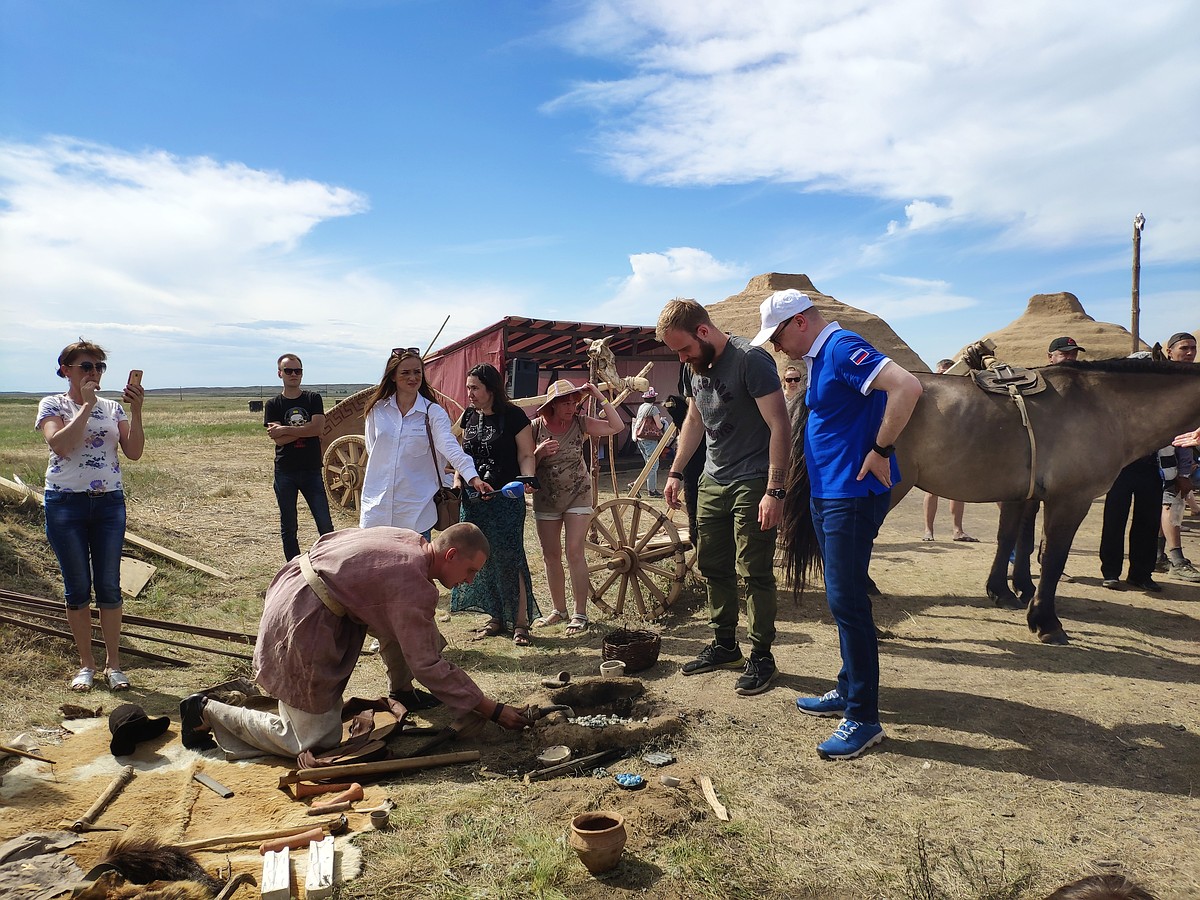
[[203, 186]]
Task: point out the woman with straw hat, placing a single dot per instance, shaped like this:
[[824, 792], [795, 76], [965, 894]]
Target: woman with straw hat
[[563, 500]]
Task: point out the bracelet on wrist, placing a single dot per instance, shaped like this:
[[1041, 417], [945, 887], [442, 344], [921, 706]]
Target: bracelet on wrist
[[497, 712], [674, 474]]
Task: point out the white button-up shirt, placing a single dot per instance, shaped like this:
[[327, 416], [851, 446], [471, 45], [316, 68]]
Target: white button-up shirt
[[402, 476]]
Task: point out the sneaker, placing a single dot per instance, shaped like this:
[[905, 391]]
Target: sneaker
[[1147, 584], [831, 704], [1162, 564], [1113, 584], [850, 739], [1185, 570], [655, 493], [715, 657], [756, 677], [415, 700]]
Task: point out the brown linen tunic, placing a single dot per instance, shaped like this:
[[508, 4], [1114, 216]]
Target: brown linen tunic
[[305, 654]]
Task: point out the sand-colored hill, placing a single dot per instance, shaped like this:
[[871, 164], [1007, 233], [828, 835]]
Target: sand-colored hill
[[1025, 340], [739, 315]]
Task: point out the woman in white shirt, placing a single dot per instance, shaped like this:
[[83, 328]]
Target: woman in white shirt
[[403, 475], [402, 420]]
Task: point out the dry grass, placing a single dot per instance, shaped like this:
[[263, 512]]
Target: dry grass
[[1010, 767]]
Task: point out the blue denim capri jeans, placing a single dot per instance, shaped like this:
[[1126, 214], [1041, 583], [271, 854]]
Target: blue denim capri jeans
[[86, 532]]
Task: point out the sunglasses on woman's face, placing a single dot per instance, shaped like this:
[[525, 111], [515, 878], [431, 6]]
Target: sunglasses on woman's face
[[90, 366], [791, 380]]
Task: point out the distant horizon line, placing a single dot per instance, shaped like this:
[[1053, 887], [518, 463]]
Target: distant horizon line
[[257, 389]]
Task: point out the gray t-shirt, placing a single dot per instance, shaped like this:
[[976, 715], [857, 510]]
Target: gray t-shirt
[[737, 437]]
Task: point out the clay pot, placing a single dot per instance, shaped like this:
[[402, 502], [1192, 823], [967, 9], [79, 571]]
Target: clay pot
[[599, 839]]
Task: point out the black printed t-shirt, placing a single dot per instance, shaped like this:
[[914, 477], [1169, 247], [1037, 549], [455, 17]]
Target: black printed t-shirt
[[491, 442], [302, 453]]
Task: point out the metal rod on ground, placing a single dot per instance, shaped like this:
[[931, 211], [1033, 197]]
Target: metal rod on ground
[[220, 634], [126, 632], [141, 654]]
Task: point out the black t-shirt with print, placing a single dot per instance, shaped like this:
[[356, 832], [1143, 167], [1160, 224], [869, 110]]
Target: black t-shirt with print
[[491, 442], [302, 453]]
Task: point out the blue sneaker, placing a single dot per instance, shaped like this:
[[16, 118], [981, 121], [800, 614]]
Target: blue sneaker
[[851, 739], [831, 704]]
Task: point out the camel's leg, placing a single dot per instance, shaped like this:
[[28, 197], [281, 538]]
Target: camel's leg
[[1006, 539], [1063, 517], [1022, 579]]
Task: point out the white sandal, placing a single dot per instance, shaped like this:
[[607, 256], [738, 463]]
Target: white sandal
[[82, 682], [558, 615], [578, 624], [117, 680]]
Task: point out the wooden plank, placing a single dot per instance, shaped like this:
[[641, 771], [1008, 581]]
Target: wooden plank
[[710, 794], [25, 491], [134, 575]]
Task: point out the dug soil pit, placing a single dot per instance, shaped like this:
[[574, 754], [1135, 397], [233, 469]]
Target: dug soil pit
[[610, 714]]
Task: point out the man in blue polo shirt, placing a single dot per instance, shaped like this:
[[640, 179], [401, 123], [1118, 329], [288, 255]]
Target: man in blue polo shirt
[[859, 401]]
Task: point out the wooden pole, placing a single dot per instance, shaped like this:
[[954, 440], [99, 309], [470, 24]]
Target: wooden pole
[[1139, 222], [383, 767]]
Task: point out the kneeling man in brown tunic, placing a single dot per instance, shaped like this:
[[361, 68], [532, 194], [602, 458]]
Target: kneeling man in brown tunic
[[318, 610]]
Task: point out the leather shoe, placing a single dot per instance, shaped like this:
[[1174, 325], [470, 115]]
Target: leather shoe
[[192, 729], [1147, 584]]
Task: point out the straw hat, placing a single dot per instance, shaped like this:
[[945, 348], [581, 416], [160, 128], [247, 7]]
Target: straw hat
[[560, 388]]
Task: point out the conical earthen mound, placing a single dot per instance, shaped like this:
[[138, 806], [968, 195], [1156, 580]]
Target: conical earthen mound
[[739, 315], [1025, 340]]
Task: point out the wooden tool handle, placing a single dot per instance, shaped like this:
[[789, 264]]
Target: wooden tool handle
[[250, 837], [293, 842], [321, 809], [123, 778], [379, 768]]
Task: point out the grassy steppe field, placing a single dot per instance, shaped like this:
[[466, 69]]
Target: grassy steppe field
[[1009, 768]]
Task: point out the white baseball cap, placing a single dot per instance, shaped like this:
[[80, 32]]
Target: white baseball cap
[[777, 309]]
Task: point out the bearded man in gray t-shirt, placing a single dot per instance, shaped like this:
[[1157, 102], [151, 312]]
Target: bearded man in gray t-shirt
[[736, 406]]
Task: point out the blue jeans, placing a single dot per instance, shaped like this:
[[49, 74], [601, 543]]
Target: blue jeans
[[648, 448], [309, 483], [86, 532], [846, 530]]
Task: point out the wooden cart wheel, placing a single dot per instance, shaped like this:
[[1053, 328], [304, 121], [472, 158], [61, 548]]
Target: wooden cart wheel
[[344, 467], [635, 548]]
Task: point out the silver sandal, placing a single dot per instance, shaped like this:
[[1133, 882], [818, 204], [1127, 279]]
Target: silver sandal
[[117, 680], [82, 682]]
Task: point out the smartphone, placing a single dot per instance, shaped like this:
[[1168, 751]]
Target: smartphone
[[135, 377]]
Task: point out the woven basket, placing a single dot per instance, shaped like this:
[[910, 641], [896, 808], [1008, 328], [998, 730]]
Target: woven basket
[[637, 649]]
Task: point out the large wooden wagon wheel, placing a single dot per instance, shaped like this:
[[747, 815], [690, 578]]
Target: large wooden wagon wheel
[[635, 547], [345, 464]]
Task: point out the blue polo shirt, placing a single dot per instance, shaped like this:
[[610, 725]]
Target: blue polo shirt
[[844, 414]]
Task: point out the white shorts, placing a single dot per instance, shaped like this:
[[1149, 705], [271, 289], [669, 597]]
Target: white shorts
[[557, 517]]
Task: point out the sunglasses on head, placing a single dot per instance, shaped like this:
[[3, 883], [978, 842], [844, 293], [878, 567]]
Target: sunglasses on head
[[90, 366], [287, 371], [406, 351]]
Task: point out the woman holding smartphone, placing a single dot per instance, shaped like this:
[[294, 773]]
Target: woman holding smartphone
[[85, 503]]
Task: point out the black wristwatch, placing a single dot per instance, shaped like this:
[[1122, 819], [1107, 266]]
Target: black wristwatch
[[885, 452], [777, 493]]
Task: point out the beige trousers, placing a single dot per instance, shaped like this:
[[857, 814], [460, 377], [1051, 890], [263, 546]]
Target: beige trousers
[[243, 733]]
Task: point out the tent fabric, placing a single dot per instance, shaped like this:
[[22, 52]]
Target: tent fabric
[[558, 348]]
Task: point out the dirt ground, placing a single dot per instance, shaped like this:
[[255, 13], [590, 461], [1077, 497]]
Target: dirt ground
[[1009, 768]]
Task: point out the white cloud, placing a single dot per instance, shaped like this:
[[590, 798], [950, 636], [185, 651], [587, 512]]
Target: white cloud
[[905, 297], [163, 259], [1053, 122], [657, 277]]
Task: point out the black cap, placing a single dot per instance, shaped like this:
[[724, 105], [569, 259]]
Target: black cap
[[130, 726], [1064, 343], [1179, 336]]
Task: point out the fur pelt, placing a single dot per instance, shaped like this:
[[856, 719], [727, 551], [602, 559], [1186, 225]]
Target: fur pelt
[[113, 886], [142, 861]]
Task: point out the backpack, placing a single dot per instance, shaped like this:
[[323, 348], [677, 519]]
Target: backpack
[[651, 427]]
